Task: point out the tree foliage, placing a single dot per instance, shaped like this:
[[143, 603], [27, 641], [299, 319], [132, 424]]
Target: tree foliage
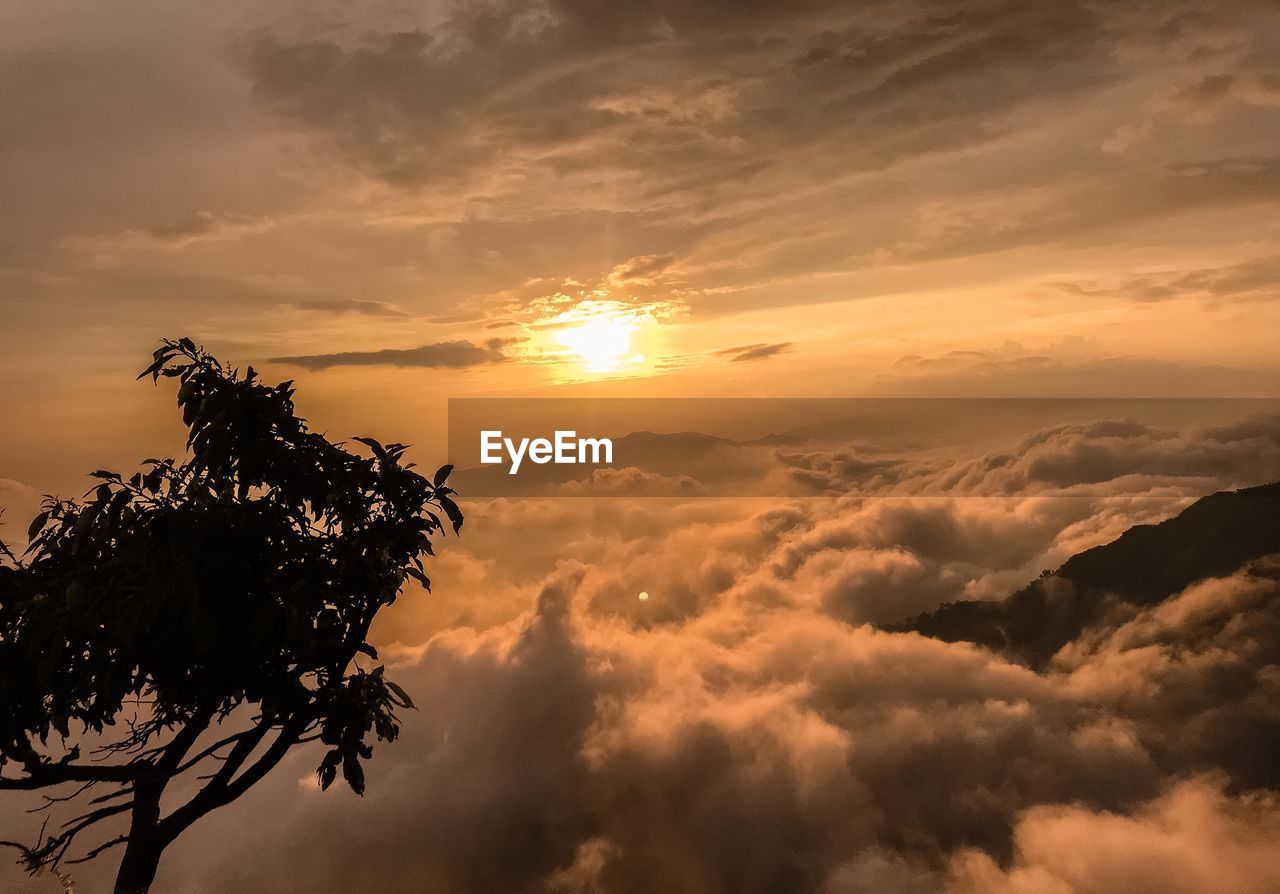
[[235, 588]]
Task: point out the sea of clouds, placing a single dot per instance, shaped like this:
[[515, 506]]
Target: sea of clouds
[[748, 728]]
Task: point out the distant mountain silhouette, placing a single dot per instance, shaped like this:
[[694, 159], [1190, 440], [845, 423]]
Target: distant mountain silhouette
[[1214, 536]]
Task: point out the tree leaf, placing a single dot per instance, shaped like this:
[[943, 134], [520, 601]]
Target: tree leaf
[[37, 525], [378, 450], [353, 772], [403, 696], [451, 509]]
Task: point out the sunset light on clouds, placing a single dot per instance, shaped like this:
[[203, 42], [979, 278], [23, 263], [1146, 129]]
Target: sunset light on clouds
[[734, 663], [1097, 189]]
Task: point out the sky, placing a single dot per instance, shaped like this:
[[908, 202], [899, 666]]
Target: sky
[[395, 204], [431, 200]]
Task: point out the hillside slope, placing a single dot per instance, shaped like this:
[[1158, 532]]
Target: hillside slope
[[1214, 536]]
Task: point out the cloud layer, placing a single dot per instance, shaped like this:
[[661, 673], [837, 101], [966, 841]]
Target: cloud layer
[[786, 751], [744, 729], [449, 354], [920, 180]]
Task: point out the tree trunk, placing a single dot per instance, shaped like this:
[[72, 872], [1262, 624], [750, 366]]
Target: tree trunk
[[138, 868], [146, 844]]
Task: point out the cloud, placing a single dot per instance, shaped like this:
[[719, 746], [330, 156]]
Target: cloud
[[732, 160], [11, 489], [199, 228], [870, 84], [714, 140], [1086, 453], [742, 729], [881, 536], [1243, 78], [739, 730], [446, 354], [205, 226], [777, 750], [19, 503], [1196, 672], [1070, 369], [1257, 279], [349, 306], [1194, 839], [644, 269], [746, 353]]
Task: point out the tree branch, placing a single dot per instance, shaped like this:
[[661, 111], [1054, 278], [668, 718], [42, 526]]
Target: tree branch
[[50, 800], [212, 750], [222, 788], [105, 846], [44, 774], [50, 851], [182, 742]]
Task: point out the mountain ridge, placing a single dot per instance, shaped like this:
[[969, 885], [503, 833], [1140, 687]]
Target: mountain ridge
[[1214, 536]]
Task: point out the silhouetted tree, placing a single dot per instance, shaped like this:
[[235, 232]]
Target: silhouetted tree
[[208, 615]]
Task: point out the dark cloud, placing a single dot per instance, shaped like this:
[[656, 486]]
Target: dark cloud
[[738, 157], [1206, 90], [754, 352], [205, 225], [446, 354], [1088, 212], [557, 82], [1246, 81], [641, 269], [349, 305], [725, 130], [1257, 279]]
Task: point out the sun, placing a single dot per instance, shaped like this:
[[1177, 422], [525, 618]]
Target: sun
[[600, 336], [602, 343]]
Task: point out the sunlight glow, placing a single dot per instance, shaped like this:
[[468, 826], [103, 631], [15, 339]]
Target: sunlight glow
[[601, 342], [599, 335]]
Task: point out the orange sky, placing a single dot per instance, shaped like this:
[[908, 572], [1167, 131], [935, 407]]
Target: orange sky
[[396, 204], [396, 207], [1015, 200]]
